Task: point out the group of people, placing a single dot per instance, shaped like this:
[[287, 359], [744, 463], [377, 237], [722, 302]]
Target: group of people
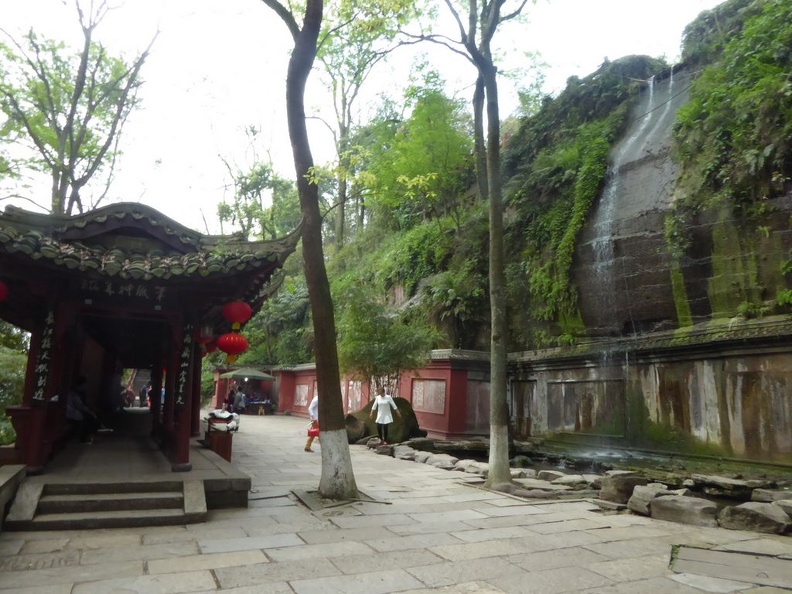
[[236, 401], [384, 406]]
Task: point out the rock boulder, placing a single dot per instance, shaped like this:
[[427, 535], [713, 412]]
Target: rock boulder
[[755, 516]]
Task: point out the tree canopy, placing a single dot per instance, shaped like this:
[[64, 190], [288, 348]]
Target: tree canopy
[[66, 110]]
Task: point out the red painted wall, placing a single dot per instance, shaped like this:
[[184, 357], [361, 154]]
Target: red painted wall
[[438, 394]]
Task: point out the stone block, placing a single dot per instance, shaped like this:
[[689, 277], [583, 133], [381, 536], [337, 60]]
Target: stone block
[[755, 516], [684, 510], [642, 495], [786, 505], [549, 475], [619, 487], [770, 495]]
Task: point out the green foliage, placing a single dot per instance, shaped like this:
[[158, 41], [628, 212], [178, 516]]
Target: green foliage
[[281, 333], [456, 300], [13, 363], [703, 39], [264, 205], [417, 254], [572, 175], [418, 169], [733, 139], [374, 340], [13, 338], [64, 112]]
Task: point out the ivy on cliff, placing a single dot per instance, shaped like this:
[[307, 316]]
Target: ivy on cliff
[[733, 139], [559, 162]]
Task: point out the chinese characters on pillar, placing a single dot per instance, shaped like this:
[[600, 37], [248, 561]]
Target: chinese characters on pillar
[[44, 357], [185, 356]]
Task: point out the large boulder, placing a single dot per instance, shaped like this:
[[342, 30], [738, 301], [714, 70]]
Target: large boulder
[[618, 487], [756, 516], [643, 495], [770, 495], [359, 425], [684, 510]]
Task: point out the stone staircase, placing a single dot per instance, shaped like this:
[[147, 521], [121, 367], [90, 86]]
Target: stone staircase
[[72, 506]]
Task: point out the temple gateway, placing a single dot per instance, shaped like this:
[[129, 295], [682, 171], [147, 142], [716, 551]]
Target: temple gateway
[[116, 288]]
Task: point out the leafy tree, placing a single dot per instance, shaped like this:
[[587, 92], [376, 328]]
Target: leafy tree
[[265, 205], [337, 480], [280, 331], [12, 382], [357, 36], [375, 342], [67, 109], [420, 169], [477, 23]]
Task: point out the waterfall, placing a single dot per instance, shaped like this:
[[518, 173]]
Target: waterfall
[[603, 227]]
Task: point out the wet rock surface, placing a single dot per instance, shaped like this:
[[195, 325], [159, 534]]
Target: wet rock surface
[[761, 504]]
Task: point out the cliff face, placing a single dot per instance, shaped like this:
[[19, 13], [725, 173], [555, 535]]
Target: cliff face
[[628, 281], [622, 263], [689, 340]]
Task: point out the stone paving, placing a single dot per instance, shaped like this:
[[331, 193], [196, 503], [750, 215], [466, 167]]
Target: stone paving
[[426, 531]]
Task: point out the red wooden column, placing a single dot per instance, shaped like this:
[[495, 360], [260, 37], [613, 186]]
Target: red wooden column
[[34, 437]]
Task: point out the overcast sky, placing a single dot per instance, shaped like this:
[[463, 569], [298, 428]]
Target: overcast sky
[[219, 66]]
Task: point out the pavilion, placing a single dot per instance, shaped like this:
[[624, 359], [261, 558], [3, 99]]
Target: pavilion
[[120, 287]]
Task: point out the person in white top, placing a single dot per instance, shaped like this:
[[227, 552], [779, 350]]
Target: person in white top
[[384, 404], [313, 414]]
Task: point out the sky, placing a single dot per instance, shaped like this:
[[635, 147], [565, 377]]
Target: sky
[[218, 67]]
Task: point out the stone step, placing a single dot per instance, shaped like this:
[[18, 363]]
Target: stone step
[[110, 519], [117, 487], [57, 507], [53, 504]]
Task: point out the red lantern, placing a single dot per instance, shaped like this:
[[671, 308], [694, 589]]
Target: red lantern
[[237, 312], [3, 291], [232, 344]]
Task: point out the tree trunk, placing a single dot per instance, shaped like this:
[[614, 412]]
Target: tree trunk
[[337, 480], [499, 471]]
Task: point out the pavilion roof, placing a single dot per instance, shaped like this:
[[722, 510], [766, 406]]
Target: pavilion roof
[[134, 241], [127, 243]]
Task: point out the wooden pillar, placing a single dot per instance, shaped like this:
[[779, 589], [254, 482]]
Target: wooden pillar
[[35, 436]]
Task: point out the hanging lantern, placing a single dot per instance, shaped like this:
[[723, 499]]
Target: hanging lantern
[[3, 291], [237, 312], [232, 344]]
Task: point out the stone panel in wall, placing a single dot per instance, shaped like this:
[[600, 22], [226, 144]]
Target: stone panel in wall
[[478, 407], [429, 396], [591, 406]]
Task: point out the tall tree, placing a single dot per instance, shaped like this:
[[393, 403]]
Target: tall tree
[[476, 32], [337, 480], [69, 109], [417, 168], [358, 35]]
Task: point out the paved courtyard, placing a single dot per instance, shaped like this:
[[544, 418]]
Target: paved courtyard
[[427, 531]]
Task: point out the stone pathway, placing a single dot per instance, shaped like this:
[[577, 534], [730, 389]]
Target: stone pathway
[[426, 531]]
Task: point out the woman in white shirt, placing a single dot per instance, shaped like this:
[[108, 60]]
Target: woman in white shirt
[[383, 404]]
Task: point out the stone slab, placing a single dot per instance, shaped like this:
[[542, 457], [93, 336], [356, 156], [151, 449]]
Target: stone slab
[[738, 567]]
